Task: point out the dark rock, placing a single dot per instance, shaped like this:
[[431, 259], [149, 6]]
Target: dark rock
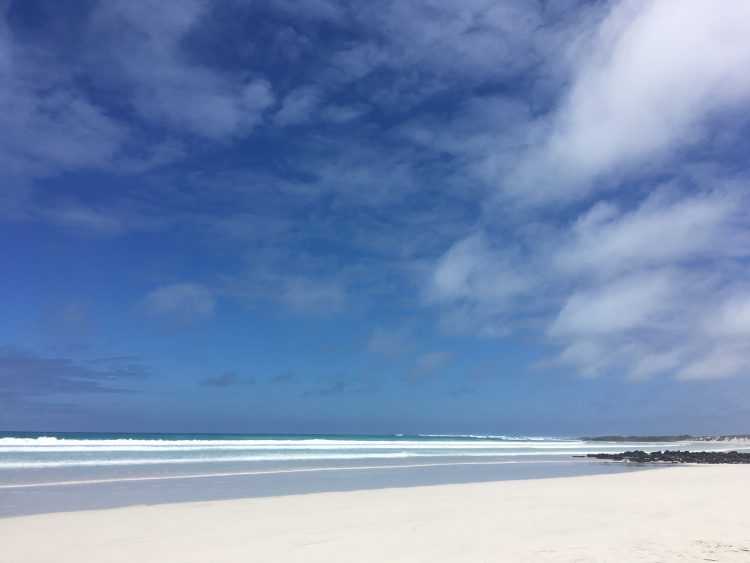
[[676, 456]]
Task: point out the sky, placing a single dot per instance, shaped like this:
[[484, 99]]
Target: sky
[[508, 217]]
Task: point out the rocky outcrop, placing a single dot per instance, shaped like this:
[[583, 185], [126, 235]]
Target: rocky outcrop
[[670, 456]]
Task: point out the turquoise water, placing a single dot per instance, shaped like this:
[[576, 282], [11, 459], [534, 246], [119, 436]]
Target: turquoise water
[[57, 456], [60, 450], [39, 451], [50, 471]]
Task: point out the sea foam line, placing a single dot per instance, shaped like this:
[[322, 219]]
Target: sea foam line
[[27, 464], [51, 442], [266, 472], [291, 447]]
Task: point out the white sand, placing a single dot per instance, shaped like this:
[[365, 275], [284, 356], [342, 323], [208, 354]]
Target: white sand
[[671, 514]]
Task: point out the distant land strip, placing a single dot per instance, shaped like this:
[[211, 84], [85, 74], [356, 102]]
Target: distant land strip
[[680, 438]]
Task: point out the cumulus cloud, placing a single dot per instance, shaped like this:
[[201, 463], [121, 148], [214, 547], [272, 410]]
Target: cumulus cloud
[[181, 303], [649, 82]]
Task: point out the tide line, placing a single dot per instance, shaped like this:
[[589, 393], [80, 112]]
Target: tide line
[[267, 472]]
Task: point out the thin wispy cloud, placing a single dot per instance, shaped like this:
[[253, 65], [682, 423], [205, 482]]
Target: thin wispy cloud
[[24, 374], [285, 378], [180, 303], [228, 379], [390, 344], [427, 366]]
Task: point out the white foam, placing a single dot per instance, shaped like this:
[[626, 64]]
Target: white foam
[[53, 452], [500, 437], [64, 444], [176, 460], [127, 461]]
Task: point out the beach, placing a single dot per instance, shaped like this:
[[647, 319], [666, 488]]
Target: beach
[[680, 513]]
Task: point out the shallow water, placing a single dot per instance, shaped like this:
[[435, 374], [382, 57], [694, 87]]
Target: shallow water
[[59, 472]]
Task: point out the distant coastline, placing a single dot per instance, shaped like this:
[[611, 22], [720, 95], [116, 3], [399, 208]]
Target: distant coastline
[[678, 438]]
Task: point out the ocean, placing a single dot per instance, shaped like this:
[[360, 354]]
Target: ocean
[[51, 471]]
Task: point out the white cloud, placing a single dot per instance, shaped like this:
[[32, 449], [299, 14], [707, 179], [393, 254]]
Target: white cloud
[[628, 303], [361, 172], [472, 269], [48, 125], [78, 216], [641, 292], [665, 228], [52, 123], [474, 39], [468, 100], [644, 282], [731, 318], [308, 295], [479, 284], [141, 49], [648, 82], [723, 361], [181, 303], [325, 10], [343, 113], [298, 106]]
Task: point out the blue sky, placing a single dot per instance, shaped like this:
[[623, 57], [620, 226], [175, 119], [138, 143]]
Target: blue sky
[[506, 217]]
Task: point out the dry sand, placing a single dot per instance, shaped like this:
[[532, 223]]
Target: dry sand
[[670, 514]]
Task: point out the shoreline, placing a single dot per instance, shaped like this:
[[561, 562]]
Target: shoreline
[[271, 472], [28, 498], [678, 513]]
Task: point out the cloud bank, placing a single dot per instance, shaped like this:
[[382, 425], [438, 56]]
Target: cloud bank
[[645, 273]]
